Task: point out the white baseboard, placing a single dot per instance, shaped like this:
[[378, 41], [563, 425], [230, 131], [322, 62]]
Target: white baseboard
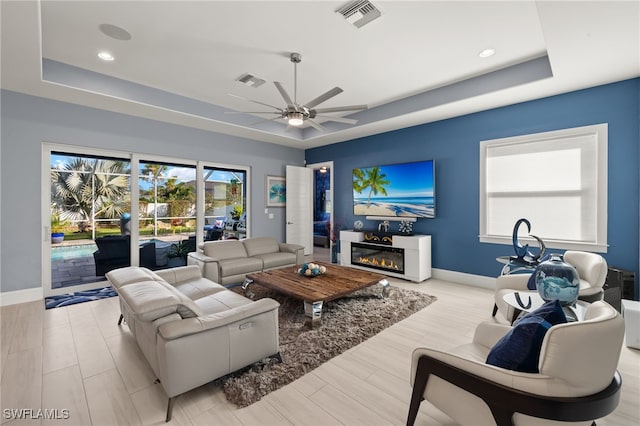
[[21, 296], [464, 278]]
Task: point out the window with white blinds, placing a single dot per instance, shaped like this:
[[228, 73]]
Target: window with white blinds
[[557, 180]]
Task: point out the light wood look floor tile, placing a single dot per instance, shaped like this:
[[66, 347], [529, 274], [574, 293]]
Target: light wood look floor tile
[[64, 389], [56, 318], [106, 316], [308, 384], [22, 381], [347, 410], [151, 406], [378, 401], [28, 327], [108, 400], [59, 349], [130, 361], [217, 417], [204, 398], [298, 409], [8, 319], [261, 414], [93, 355], [109, 382]]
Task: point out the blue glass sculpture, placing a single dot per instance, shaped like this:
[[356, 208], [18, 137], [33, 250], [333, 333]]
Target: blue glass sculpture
[[557, 280]]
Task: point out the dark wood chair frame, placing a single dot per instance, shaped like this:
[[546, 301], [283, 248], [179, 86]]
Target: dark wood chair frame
[[504, 402]]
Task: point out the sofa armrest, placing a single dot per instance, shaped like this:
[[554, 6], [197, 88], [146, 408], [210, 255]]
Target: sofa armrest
[[189, 326], [209, 266], [515, 282], [512, 379], [488, 333], [296, 249]]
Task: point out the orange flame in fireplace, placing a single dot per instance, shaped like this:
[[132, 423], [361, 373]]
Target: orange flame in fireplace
[[389, 264]]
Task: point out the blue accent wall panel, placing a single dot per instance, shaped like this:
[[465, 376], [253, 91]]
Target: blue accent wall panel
[[454, 144]]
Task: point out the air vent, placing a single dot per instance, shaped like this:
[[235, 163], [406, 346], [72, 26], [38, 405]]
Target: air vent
[[359, 12], [250, 80]]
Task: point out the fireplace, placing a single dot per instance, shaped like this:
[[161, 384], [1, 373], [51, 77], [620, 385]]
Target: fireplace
[[378, 257]]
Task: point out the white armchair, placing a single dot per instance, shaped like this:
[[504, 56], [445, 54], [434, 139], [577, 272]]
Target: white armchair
[[591, 267], [577, 379]]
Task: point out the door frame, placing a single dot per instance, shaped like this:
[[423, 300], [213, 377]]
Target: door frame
[[45, 247], [330, 167]]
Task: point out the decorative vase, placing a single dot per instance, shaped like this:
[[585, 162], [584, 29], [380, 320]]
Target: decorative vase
[[557, 280], [57, 237]]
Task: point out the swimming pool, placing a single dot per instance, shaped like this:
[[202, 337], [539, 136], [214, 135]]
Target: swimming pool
[[72, 252], [86, 250]]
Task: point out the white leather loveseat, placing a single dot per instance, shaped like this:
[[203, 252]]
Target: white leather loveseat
[[192, 330], [228, 261]]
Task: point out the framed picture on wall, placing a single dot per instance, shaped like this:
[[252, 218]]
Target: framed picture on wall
[[276, 191]]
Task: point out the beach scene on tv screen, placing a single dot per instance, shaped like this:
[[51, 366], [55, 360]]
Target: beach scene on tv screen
[[395, 190]]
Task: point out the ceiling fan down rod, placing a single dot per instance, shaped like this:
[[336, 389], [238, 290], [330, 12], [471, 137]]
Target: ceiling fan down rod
[[295, 58]]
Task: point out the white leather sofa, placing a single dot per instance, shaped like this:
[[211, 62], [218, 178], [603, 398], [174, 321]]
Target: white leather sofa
[[192, 330], [229, 261]]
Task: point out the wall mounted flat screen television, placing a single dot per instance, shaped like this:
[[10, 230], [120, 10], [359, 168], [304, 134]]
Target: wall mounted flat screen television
[[396, 190]]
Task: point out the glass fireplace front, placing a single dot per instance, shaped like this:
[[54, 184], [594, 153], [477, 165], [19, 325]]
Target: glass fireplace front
[[378, 257]]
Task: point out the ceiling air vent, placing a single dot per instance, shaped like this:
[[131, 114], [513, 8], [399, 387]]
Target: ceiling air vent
[[250, 80], [359, 12]]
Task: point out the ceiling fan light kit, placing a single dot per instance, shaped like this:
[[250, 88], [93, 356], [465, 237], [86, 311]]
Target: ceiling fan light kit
[[295, 119], [296, 114]]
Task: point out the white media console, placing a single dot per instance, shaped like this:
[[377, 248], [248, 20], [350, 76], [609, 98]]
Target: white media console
[[417, 254]]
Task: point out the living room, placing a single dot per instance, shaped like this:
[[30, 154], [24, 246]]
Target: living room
[[29, 119]]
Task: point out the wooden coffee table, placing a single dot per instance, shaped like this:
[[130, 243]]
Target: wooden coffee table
[[337, 282]]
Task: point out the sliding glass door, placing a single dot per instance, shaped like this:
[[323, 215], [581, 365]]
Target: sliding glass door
[[225, 214], [89, 199], [108, 210], [167, 213]]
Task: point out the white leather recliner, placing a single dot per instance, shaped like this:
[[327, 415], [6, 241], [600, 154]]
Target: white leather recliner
[[591, 267], [577, 379]]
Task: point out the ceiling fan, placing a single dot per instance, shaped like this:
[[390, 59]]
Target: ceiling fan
[[296, 114]]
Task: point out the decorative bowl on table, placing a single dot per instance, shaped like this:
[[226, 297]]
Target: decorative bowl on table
[[311, 270]]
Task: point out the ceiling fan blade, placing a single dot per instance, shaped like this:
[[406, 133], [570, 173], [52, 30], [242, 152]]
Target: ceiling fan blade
[[263, 120], [338, 119], [315, 125], [256, 102], [342, 108], [283, 93], [324, 97], [253, 112]]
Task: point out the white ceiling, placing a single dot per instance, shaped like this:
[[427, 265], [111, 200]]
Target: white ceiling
[[417, 63]]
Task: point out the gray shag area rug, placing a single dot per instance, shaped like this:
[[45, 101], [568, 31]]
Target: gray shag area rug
[[346, 322]]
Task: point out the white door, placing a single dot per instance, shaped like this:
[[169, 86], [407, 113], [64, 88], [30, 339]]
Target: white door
[[299, 214]]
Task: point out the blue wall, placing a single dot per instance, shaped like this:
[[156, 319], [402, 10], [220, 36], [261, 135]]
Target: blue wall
[[454, 145]]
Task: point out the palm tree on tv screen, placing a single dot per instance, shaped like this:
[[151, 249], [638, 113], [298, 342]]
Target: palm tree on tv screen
[[373, 179]]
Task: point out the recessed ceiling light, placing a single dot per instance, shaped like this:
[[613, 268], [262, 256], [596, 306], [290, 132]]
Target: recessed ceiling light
[[487, 53], [106, 56]]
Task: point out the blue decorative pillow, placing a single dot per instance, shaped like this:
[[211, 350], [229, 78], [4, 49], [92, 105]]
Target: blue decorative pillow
[[519, 349]]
